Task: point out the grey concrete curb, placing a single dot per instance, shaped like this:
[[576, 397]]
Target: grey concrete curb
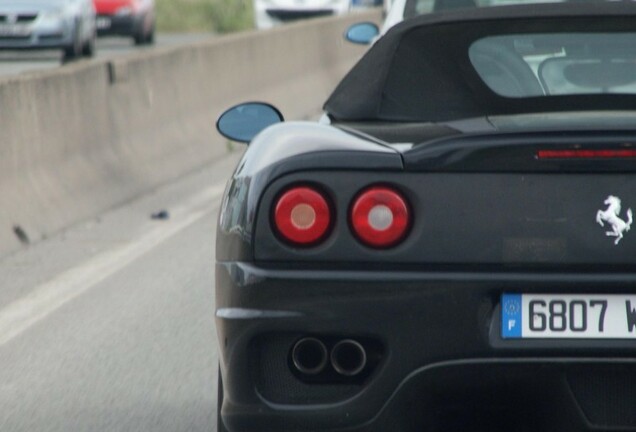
[[78, 140]]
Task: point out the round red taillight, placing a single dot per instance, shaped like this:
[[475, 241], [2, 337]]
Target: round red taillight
[[380, 217], [302, 216]]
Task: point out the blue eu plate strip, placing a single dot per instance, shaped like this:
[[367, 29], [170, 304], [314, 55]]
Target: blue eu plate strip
[[511, 316]]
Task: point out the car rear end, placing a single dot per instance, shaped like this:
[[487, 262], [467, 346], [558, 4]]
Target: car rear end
[[133, 18], [269, 13], [480, 282]]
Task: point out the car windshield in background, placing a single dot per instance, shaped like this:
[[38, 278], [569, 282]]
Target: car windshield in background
[[557, 64], [414, 8]]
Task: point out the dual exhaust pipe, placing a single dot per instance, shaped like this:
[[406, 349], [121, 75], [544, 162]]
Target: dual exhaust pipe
[[310, 357]]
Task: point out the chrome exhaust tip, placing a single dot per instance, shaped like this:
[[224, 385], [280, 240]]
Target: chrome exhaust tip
[[309, 356], [348, 357]]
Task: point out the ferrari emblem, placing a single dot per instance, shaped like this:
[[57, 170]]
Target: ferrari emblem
[[611, 215]]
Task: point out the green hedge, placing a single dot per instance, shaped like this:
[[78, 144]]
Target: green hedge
[[220, 16]]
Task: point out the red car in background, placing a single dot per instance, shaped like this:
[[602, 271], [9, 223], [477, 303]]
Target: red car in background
[[134, 18]]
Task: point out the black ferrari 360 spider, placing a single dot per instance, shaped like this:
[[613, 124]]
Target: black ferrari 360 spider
[[450, 248]]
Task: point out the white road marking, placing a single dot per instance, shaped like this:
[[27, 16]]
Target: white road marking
[[20, 315]]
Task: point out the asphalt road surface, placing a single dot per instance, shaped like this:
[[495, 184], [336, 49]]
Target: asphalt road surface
[[15, 62], [109, 326]]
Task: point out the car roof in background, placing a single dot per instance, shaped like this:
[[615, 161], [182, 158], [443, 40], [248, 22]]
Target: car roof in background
[[420, 70], [413, 8]]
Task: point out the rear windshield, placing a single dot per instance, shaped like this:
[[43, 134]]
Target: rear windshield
[[556, 64]]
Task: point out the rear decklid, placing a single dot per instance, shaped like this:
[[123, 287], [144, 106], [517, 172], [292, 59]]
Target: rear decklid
[[545, 197]]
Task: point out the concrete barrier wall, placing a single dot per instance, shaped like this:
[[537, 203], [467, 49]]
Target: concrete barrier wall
[[86, 137]]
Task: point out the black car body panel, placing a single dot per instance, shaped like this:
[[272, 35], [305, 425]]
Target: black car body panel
[[505, 196]]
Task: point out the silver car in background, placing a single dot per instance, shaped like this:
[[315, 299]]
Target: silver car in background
[[68, 25]]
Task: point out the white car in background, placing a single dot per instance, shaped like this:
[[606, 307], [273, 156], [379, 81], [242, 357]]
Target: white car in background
[[269, 13]]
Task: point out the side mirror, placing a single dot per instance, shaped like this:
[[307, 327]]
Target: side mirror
[[362, 33], [244, 121]]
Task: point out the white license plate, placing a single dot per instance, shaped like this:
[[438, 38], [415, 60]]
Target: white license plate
[[568, 316], [102, 23], [14, 30]]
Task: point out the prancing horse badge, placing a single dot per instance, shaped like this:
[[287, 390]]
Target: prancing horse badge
[[611, 215]]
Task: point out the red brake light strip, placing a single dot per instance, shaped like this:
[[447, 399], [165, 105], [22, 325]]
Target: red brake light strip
[[587, 154]]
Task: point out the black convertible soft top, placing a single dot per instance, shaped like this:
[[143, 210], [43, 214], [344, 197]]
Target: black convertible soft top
[[420, 71]]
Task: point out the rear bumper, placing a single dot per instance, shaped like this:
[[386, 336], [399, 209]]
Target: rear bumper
[[112, 25], [436, 360], [38, 41]]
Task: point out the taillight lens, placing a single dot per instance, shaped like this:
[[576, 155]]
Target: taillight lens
[[380, 217], [302, 216]]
